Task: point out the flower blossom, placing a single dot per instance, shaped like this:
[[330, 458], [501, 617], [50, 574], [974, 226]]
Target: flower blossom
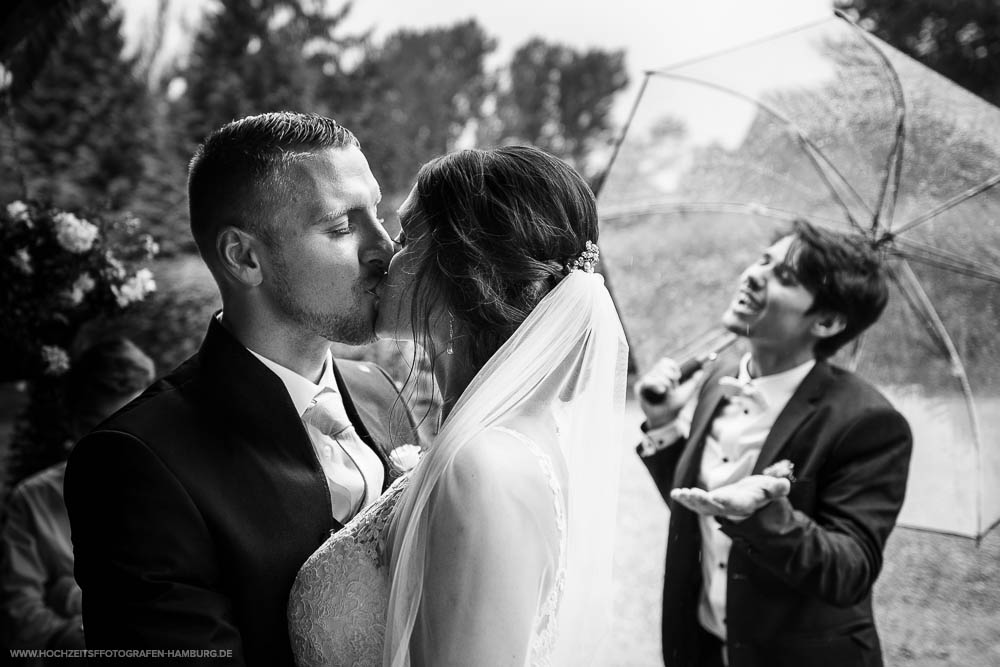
[[56, 360], [405, 457], [135, 288], [115, 269], [22, 261], [18, 211], [74, 234], [150, 246], [80, 288]]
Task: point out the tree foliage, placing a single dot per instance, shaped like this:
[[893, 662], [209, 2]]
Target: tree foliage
[[77, 138], [423, 90], [957, 38], [259, 56], [560, 99]]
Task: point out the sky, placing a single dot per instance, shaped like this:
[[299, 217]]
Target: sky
[[653, 33]]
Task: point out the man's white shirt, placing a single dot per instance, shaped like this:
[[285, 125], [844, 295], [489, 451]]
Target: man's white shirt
[[348, 493], [731, 449]]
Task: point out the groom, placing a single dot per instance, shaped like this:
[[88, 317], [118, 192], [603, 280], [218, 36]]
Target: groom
[[193, 508], [761, 573]]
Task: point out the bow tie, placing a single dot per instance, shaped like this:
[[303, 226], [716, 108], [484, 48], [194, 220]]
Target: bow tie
[[742, 392]]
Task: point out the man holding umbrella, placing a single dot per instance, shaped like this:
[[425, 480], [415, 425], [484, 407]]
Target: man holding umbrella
[[775, 571]]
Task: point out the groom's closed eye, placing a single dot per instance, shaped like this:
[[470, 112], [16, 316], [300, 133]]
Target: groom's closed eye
[[339, 227]]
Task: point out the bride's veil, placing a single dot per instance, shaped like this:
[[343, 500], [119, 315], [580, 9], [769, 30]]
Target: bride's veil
[[569, 359]]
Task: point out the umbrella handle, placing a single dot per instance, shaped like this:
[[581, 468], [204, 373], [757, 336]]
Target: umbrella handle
[[688, 367]]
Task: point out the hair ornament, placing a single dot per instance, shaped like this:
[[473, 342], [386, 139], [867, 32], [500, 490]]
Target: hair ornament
[[586, 260]]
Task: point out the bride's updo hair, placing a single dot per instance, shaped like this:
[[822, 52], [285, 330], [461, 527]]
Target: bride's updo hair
[[502, 225]]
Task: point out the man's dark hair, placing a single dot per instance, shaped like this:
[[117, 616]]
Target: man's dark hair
[[844, 274], [237, 176]]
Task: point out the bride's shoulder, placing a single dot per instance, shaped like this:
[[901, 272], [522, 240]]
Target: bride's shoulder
[[499, 462]]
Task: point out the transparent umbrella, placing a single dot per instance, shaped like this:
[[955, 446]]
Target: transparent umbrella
[[829, 124]]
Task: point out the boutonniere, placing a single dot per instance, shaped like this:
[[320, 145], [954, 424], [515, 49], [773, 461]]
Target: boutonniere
[[405, 457], [783, 468]]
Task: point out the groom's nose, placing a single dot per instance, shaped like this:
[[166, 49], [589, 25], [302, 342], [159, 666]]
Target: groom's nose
[[376, 247]]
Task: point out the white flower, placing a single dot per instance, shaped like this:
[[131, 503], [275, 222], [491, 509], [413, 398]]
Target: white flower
[[56, 360], [150, 246], [405, 457], [135, 288], [22, 261], [783, 468], [81, 287], [116, 270], [18, 211], [74, 234]]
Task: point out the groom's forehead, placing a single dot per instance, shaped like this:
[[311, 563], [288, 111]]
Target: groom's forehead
[[333, 176]]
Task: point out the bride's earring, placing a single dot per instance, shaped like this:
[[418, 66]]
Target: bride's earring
[[451, 334]]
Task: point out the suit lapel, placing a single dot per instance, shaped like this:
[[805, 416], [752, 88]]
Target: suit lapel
[[686, 474], [252, 399], [797, 410]]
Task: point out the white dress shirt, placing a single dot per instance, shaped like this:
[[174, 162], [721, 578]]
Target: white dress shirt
[[354, 473], [732, 446]]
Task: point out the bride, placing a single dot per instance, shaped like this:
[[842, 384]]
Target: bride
[[497, 548]]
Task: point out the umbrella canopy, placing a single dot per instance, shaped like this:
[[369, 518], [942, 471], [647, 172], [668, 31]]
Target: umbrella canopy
[[829, 124]]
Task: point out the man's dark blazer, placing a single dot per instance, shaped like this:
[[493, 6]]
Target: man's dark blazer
[[193, 508], [801, 570]]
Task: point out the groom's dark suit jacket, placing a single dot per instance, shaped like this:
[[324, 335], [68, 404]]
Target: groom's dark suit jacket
[[801, 570], [193, 508]]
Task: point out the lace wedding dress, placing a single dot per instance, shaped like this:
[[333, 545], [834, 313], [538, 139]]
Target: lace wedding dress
[[338, 605], [498, 546]]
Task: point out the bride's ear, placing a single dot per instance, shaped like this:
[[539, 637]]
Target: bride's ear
[[238, 254]]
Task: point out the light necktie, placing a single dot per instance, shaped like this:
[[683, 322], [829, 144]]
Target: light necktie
[[338, 447]]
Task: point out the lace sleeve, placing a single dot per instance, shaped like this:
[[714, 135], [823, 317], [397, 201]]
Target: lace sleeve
[[493, 556]]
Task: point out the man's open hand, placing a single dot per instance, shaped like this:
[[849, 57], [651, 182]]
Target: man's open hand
[[737, 500]]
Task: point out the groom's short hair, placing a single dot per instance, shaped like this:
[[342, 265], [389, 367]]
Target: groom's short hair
[[238, 175]]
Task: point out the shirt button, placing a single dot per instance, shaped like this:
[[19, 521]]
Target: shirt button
[[722, 566], [725, 459]]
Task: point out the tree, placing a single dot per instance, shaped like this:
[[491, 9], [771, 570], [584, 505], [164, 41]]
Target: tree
[[259, 56], [560, 99], [77, 137], [28, 31], [416, 95], [960, 40]]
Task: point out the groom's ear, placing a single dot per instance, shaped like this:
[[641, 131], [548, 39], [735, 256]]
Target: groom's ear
[[237, 251]]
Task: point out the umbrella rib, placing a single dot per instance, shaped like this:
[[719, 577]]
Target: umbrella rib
[[944, 259], [954, 201], [620, 212], [894, 162], [738, 47], [810, 149], [907, 281], [624, 133]]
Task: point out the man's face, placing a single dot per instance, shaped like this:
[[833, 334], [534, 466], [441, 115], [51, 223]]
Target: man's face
[[771, 306], [330, 251]]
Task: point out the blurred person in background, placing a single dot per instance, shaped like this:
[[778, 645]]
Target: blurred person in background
[[41, 603]]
